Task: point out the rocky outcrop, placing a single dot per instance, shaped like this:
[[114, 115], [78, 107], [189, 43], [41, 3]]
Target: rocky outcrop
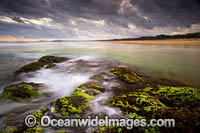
[[47, 61], [21, 91]]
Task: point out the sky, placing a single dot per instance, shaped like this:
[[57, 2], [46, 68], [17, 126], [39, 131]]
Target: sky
[[96, 19]]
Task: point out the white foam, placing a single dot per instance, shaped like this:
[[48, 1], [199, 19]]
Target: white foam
[[98, 108], [87, 58], [60, 83]]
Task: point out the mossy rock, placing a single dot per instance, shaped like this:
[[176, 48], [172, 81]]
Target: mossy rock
[[127, 75], [45, 60], [36, 129], [21, 91], [51, 59], [39, 114], [116, 129], [92, 86], [63, 131], [138, 104], [183, 116], [10, 130], [179, 103], [109, 130], [176, 96], [74, 103], [50, 65], [22, 128]]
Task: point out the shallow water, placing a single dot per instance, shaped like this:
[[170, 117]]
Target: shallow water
[[174, 62]]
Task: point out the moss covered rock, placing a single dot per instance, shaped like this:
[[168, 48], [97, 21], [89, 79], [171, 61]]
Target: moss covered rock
[[127, 75], [138, 104], [39, 114], [63, 131], [179, 103], [51, 59], [21, 90], [43, 61], [92, 88], [36, 129], [74, 103], [108, 130], [175, 96]]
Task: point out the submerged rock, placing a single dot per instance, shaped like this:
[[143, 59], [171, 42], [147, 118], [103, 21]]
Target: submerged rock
[[21, 91], [43, 61]]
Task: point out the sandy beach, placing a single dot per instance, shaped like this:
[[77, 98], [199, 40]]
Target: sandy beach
[[182, 42]]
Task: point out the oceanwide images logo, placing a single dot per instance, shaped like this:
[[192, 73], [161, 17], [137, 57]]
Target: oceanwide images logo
[[129, 123]]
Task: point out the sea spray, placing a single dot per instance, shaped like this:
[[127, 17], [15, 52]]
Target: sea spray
[[98, 108]]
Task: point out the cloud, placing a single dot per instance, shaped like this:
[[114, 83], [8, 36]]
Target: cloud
[[7, 19], [97, 19]]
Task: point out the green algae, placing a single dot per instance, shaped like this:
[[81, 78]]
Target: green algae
[[176, 96], [37, 129], [93, 92], [21, 91], [34, 130], [10, 129], [137, 104], [74, 103], [45, 60], [63, 131], [127, 75], [179, 103], [39, 114], [108, 129]]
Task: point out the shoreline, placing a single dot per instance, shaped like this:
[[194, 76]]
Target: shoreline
[[173, 42]]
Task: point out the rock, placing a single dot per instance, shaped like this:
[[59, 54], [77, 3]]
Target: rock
[[134, 94], [176, 96], [74, 103], [50, 65], [92, 86], [51, 59], [127, 75], [21, 91], [137, 104], [179, 103], [43, 61]]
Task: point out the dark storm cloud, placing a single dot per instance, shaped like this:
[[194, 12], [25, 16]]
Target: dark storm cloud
[[18, 19], [117, 15], [169, 12], [28, 8]]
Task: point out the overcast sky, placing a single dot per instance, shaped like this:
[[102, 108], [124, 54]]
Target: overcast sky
[[97, 19]]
